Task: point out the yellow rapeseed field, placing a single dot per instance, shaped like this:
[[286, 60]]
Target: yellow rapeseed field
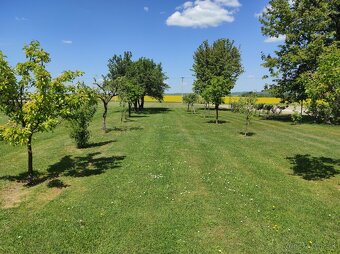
[[227, 99]]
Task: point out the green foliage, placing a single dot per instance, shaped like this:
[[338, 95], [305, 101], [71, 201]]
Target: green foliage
[[190, 99], [323, 86], [247, 107], [120, 66], [296, 116], [216, 68], [32, 100], [129, 92], [81, 103], [150, 77], [106, 90], [308, 26]]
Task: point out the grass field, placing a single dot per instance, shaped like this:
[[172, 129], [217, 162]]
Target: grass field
[[168, 181]]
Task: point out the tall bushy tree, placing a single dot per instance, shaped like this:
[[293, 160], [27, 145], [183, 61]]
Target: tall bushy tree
[[82, 104], [31, 98], [217, 68], [129, 92], [308, 27], [151, 78]]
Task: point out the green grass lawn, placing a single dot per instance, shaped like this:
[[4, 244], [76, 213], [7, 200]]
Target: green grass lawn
[[168, 181]]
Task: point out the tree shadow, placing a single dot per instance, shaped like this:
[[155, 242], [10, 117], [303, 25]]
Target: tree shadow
[[286, 118], [103, 143], [57, 183], [249, 134], [81, 166], [127, 128], [154, 111], [219, 121], [314, 168], [137, 116]]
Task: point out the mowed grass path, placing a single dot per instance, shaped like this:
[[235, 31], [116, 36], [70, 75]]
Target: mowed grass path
[[168, 181]]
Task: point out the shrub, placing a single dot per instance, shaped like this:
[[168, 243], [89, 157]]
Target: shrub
[[81, 109]]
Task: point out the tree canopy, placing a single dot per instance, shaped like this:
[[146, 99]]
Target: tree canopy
[[216, 68], [308, 26], [31, 98]]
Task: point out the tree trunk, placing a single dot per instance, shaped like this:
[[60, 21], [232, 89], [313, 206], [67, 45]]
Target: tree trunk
[[246, 131], [216, 108], [136, 105], [104, 116], [188, 108], [301, 103], [129, 109], [30, 160], [141, 106]]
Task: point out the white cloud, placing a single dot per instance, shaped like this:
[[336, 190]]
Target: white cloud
[[203, 13], [67, 41], [275, 39], [20, 18], [146, 8]]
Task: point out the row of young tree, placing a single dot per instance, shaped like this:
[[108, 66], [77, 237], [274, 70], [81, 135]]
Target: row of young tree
[[35, 102]]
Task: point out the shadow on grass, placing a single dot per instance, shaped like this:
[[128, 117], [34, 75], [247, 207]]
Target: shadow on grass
[[314, 168], [82, 166], [127, 128], [103, 143], [154, 111], [219, 121], [287, 118], [249, 134]]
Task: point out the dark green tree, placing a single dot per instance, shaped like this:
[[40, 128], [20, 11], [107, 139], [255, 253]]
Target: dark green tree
[[129, 92], [308, 27], [217, 68], [151, 78]]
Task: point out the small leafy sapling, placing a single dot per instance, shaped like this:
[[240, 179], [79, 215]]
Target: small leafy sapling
[[247, 106], [190, 99]]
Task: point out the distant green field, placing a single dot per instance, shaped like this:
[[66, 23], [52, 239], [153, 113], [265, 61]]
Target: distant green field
[[168, 181]]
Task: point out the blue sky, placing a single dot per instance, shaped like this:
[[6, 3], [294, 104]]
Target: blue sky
[[84, 34]]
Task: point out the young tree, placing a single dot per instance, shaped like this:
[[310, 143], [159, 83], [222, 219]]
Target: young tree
[[81, 104], [151, 78], [32, 100], [190, 99], [247, 106], [129, 91], [307, 26], [216, 68], [106, 90]]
